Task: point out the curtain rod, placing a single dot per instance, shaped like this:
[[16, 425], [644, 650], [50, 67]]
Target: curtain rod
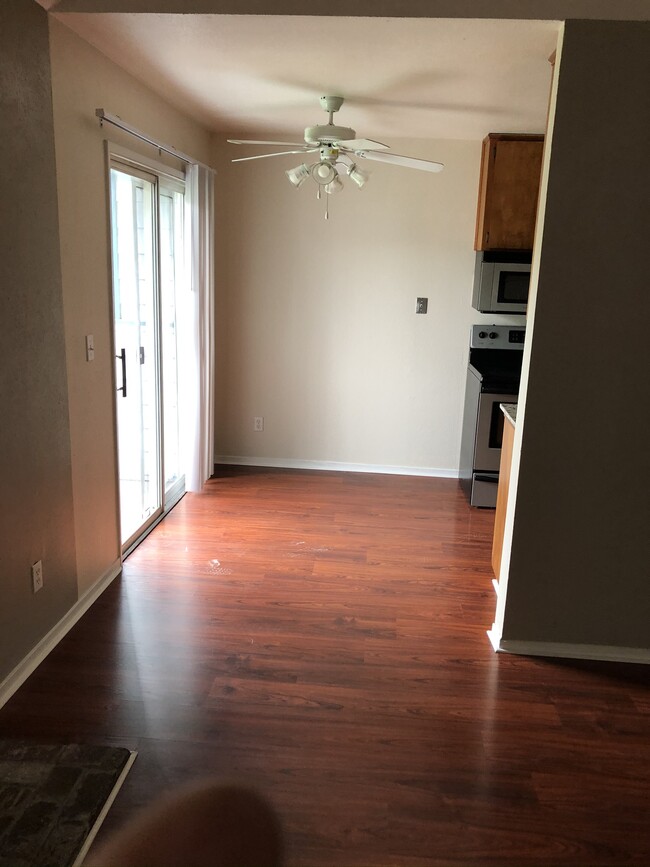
[[105, 117]]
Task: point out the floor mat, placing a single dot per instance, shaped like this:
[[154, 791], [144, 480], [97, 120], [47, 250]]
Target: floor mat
[[53, 798]]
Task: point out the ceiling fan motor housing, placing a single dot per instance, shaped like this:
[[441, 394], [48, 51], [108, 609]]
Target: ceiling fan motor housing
[[328, 133]]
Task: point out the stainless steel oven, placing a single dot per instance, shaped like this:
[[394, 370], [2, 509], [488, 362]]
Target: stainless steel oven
[[489, 430], [493, 375], [501, 282]]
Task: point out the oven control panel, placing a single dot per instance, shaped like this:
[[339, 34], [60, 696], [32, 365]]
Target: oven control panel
[[497, 337]]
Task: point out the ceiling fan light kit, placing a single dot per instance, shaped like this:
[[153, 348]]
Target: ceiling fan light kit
[[335, 144]]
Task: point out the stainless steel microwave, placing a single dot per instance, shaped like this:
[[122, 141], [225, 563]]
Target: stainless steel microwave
[[501, 282]]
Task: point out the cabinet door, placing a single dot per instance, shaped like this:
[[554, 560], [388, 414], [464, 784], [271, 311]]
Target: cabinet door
[[508, 192]]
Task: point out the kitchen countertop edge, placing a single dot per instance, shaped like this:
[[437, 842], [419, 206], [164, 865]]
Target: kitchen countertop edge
[[510, 412]]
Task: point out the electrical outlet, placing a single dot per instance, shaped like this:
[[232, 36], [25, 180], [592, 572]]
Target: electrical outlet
[[37, 576], [258, 422], [421, 305]]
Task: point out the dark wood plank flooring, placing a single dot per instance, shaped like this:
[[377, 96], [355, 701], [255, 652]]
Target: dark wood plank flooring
[[322, 635]]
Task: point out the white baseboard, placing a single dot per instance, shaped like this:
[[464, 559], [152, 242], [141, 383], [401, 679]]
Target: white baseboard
[[46, 645], [600, 652], [336, 466]]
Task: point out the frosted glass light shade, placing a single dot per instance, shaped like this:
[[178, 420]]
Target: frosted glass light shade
[[358, 176], [298, 175], [323, 173], [334, 186]]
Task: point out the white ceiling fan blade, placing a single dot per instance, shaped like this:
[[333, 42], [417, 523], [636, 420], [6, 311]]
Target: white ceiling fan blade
[[278, 154], [397, 160], [361, 144], [291, 144]]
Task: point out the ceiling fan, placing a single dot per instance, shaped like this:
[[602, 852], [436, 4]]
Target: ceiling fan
[[337, 146]]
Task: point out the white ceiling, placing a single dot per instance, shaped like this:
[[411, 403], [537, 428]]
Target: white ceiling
[[401, 77]]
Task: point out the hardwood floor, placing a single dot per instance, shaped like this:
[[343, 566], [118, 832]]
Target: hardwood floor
[[322, 635]]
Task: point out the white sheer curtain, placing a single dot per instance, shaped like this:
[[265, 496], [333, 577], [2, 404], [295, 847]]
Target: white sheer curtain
[[196, 331]]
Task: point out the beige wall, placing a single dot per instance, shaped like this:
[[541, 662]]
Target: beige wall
[[36, 510], [317, 330], [83, 80], [579, 562], [57, 436]]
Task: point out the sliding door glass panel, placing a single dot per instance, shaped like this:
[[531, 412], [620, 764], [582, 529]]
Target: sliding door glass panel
[[133, 224], [172, 273]]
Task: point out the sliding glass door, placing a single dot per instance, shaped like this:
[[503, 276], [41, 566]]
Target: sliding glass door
[[148, 268], [172, 277]]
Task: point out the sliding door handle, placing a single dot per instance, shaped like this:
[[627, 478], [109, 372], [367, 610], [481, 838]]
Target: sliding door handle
[[122, 356]]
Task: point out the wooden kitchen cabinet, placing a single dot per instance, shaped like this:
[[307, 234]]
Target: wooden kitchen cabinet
[[511, 166], [502, 494]]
